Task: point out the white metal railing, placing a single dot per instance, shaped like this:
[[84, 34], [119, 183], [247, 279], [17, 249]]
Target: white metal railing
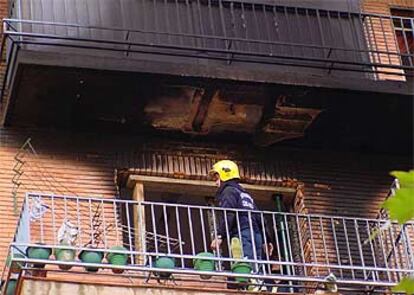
[[307, 248]]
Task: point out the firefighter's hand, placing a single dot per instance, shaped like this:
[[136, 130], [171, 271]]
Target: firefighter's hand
[[268, 248], [215, 244]]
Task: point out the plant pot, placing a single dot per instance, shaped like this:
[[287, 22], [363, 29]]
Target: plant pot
[[15, 266], [167, 263], [204, 264], [39, 253], [241, 268], [117, 258], [11, 287], [65, 255], [91, 256]]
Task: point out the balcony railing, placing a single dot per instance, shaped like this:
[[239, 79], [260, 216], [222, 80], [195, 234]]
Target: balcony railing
[[221, 30], [360, 253]]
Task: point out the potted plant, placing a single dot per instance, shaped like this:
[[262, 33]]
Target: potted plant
[[164, 262], [66, 255], [11, 287], [117, 258], [67, 236], [241, 268], [40, 252], [91, 256], [202, 263]]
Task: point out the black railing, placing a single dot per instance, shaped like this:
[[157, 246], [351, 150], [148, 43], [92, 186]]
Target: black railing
[[229, 31]]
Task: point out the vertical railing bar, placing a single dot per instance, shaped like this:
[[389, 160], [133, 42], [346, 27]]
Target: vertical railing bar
[[408, 247], [244, 19], [275, 229], [143, 231], [144, 18], [266, 243], [167, 20], [90, 223], [385, 40], [318, 16], [177, 213], [338, 257], [257, 25], [397, 260], [190, 224], [324, 243], [104, 225], [156, 21], [116, 222], [79, 222], [383, 249], [212, 26], [374, 273], [368, 38], [313, 244], [180, 31], [154, 228], [223, 24], [129, 232], [252, 236], [355, 36], [54, 221], [239, 231], [167, 232], [203, 230], [361, 253], [342, 35], [302, 49], [289, 247], [310, 29], [265, 18], [406, 43], [375, 41], [233, 21], [201, 24], [227, 231], [289, 34], [215, 233], [301, 245], [348, 247], [190, 21]]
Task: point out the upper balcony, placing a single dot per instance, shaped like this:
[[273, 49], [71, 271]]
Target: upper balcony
[[233, 40], [148, 243]]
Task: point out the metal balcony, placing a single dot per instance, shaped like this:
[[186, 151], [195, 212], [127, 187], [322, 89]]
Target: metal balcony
[[363, 254], [232, 33]]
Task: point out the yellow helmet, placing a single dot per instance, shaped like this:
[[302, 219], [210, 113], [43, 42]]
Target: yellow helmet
[[226, 170]]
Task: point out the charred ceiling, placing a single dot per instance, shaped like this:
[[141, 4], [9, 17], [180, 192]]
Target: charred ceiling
[[73, 97], [208, 110]]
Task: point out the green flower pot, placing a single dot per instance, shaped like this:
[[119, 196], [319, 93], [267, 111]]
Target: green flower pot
[[11, 287], [117, 258], [202, 263], [165, 262], [66, 255], [241, 268], [39, 253], [90, 256], [15, 267]]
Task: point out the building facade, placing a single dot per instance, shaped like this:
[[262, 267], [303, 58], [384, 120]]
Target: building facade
[[113, 112]]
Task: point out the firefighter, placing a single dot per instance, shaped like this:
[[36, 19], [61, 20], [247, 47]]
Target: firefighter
[[232, 195]]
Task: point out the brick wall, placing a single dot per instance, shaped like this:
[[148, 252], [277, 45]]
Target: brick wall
[[380, 34]]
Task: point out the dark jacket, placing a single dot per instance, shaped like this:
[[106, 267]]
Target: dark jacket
[[232, 195]]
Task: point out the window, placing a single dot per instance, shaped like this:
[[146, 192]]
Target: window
[[404, 31]]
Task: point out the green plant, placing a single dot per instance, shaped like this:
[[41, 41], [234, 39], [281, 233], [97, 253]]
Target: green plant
[[400, 207]]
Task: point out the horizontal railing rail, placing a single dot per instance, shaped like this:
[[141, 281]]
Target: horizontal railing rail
[[163, 238]]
